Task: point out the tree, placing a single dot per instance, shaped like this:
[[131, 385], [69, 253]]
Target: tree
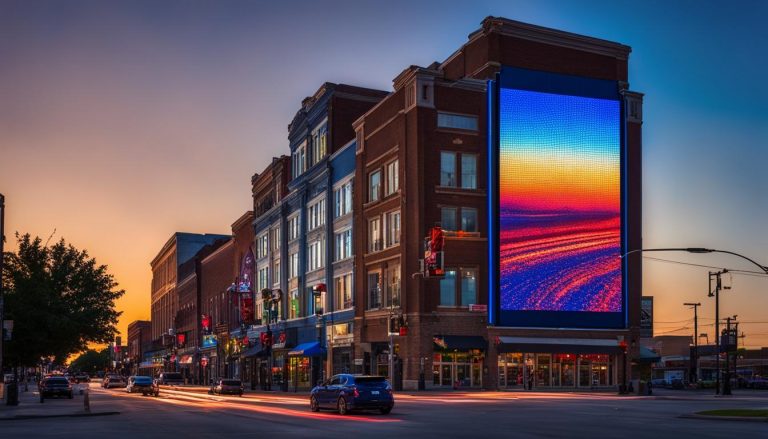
[[91, 361], [60, 301]]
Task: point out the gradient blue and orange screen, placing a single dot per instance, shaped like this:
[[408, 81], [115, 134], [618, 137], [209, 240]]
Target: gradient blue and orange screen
[[559, 203]]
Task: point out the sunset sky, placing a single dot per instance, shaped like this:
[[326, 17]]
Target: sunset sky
[[123, 122]]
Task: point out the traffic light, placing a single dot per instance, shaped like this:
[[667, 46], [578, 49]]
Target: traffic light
[[394, 325]]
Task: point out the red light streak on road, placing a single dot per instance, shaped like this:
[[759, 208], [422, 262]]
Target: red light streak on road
[[218, 404]]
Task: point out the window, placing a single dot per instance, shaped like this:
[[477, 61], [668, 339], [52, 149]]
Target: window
[[374, 186], [294, 303], [468, 219], [293, 227], [458, 287], [276, 273], [393, 229], [316, 215], [448, 218], [465, 222], [319, 143], [393, 179], [393, 286], [458, 121], [448, 289], [278, 194], [343, 199], [299, 160], [342, 291], [449, 174], [374, 290], [343, 248], [315, 255], [469, 171], [263, 278], [275, 238], [374, 235], [263, 246], [468, 293], [448, 169], [293, 265]]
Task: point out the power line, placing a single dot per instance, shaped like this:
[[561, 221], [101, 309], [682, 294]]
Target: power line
[[744, 272]]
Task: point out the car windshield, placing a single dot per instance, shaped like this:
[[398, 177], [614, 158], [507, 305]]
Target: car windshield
[[57, 381], [374, 382], [142, 379], [230, 382]]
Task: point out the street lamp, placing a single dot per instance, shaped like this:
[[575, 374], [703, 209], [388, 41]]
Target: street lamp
[[696, 250], [317, 294]]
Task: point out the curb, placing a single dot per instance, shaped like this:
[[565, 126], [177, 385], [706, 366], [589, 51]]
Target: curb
[[69, 415], [724, 418]]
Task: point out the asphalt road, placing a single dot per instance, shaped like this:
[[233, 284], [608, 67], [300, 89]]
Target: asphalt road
[[429, 414]]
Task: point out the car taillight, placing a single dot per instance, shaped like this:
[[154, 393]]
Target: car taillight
[[357, 394]]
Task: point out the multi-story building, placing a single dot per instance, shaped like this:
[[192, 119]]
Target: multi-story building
[[242, 293], [296, 233], [165, 299], [422, 152], [216, 309], [139, 339]]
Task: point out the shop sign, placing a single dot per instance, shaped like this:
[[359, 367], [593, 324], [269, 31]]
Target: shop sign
[[209, 341], [358, 361], [646, 316], [204, 361], [281, 341], [475, 307]]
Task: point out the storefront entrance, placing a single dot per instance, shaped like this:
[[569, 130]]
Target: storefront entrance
[[518, 369], [457, 369]]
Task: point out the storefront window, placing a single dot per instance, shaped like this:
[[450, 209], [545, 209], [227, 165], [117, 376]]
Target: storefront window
[[463, 369], [542, 370]]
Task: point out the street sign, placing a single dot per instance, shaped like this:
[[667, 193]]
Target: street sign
[[646, 316]]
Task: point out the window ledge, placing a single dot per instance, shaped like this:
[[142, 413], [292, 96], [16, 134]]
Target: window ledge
[[459, 190]]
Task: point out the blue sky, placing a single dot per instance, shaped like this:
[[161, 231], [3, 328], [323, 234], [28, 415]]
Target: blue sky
[[148, 117]]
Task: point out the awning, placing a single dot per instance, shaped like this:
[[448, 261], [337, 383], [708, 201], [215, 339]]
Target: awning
[[558, 345], [255, 351], [459, 342], [647, 356], [186, 359], [312, 349]]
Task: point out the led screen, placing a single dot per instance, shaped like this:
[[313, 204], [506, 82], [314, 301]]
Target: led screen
[[559, 202]]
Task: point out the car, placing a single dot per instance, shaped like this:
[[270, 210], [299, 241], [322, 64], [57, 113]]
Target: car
[[226, 386], [659, 383], [82, 378], [113, 380], [55, 386], [757, 382], [144, 384], [170, 378], [346, 392]]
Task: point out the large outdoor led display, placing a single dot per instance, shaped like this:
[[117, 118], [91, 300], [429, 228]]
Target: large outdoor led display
[[556, 201]]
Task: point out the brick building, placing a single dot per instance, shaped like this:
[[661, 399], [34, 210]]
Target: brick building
[[139, 340], [422, 152]]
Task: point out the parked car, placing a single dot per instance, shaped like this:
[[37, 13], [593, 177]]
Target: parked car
[[170, 378], [228, 387], [82, 378], [144, 384], [758, 382], [113, 381], [659, 383], [347, 392], [55, 386]]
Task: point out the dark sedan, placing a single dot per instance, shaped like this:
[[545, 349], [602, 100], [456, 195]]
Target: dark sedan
[[143, 384], [55, 386], [353, 392], [228, 387]]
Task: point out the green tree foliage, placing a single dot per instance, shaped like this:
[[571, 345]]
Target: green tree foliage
[[91, 361], [60, 301]]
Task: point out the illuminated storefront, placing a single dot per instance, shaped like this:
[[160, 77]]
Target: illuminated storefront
[[518, 370], [458, 361]]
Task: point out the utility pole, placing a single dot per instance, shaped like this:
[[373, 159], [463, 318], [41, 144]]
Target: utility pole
[[2, 296], [695, 359], [716, 293], [727, 378]]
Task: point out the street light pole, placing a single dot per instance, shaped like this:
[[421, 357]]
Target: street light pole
[[718, 286], [695, 337]]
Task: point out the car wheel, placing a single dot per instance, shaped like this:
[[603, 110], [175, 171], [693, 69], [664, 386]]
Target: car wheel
[[313, 405], [385, 410], [342, 406]]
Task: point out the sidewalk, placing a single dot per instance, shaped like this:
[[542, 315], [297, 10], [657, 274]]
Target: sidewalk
[[30, 407]]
